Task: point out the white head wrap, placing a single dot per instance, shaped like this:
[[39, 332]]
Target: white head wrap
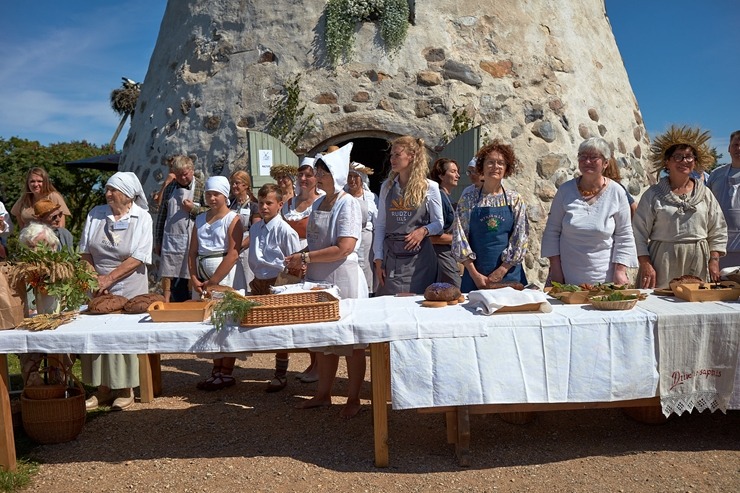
[[362, 171], [338, 164], [219, 184], [306, 161], [472, 163], [129, 185]]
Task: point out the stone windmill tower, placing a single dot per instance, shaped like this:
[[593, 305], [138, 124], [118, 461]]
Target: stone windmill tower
[[540, 74]]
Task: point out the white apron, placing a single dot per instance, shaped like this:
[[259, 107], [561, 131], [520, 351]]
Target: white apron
[[109, 246], [345, 273], [176, 236]]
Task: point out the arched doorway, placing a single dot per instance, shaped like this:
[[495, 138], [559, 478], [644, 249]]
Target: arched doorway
[[369, 148]]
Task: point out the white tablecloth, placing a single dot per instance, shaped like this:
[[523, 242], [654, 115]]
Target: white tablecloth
[[573, 354], [699, 345], [363, 321]]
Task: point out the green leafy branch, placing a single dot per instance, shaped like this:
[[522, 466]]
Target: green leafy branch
[[288, 121]]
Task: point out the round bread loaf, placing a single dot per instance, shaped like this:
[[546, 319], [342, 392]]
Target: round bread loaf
[[442, 291], [107, 303], [140, 303], [686, 279]]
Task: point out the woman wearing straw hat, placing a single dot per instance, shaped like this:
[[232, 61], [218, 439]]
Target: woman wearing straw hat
[[679, 226], [284, 176], [117, 242]]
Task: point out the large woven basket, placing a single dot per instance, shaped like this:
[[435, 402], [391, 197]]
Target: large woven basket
[[293, 308], [54, 420]]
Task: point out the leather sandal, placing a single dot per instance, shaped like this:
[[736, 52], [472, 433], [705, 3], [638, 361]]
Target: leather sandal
[[214, 373], [277, 384], [220, 381]]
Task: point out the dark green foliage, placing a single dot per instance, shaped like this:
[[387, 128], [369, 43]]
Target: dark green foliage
[[82, 189]]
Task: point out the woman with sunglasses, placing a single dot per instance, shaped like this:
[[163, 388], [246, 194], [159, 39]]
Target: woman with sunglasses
[[679, 226]]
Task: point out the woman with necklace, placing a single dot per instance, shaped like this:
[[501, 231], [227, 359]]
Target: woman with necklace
[[117, 241], [333, 231], [491, 233], [679, 225], [409, 210], [588, 236], [244, 203]]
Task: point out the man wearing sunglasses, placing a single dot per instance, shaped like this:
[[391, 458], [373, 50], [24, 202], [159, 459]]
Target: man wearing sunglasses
[[49, 213]]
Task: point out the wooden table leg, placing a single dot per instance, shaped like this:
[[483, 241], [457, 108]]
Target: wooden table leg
[[7, 441], [462, 447], [155, 362], [451, 427], [146, 386], [379, 378]]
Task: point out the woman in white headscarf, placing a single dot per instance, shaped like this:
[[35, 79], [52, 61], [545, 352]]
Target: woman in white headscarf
[[214, 250], [358, 186], [334, 228], [117, 242]]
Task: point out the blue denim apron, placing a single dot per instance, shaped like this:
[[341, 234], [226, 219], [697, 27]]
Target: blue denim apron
[[488, 236]]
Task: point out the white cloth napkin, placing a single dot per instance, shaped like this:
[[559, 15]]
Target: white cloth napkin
[[307, 286], [488, 301]]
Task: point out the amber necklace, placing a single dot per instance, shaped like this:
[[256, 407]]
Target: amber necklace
[[587, 194]]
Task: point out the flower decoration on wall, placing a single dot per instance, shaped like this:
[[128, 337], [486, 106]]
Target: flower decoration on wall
[[342, 17]]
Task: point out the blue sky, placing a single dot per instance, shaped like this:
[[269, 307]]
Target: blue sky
[[60, 60]]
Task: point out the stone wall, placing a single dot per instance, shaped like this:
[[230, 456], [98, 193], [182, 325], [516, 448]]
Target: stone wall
[[542, 75]]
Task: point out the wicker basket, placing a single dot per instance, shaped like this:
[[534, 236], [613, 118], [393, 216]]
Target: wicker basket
[[55, 391], [54, 420], [614, 305], [293, 308]]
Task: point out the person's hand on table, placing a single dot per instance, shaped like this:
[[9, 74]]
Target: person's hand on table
[[497, 275], [198, 286]]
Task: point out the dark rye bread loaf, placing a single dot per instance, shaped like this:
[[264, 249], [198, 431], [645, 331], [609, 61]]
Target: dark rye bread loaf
[[107, 303], [140, 303], [441, 291]]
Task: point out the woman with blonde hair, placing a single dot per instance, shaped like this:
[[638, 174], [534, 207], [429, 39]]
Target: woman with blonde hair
[[244, 203], [37, 187], [409, 211]]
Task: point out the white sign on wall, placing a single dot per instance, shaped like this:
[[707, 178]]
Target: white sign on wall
[[265, 161]]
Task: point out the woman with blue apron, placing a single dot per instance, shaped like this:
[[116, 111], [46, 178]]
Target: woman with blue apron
[[491, 235]]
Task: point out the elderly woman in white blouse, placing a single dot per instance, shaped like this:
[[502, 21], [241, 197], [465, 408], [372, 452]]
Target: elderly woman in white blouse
[[117, 242], [588, 237]]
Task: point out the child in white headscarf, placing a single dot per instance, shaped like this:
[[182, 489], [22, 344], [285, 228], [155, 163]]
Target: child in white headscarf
[[212, 256]]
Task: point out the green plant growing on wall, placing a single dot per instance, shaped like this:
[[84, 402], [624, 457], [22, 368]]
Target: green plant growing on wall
[[343, 15], [461, 123], [288, 119]]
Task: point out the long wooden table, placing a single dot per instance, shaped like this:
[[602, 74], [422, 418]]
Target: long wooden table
[[375, 321]]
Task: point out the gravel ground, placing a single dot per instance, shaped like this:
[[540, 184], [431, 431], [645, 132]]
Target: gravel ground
[[194, 441]]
